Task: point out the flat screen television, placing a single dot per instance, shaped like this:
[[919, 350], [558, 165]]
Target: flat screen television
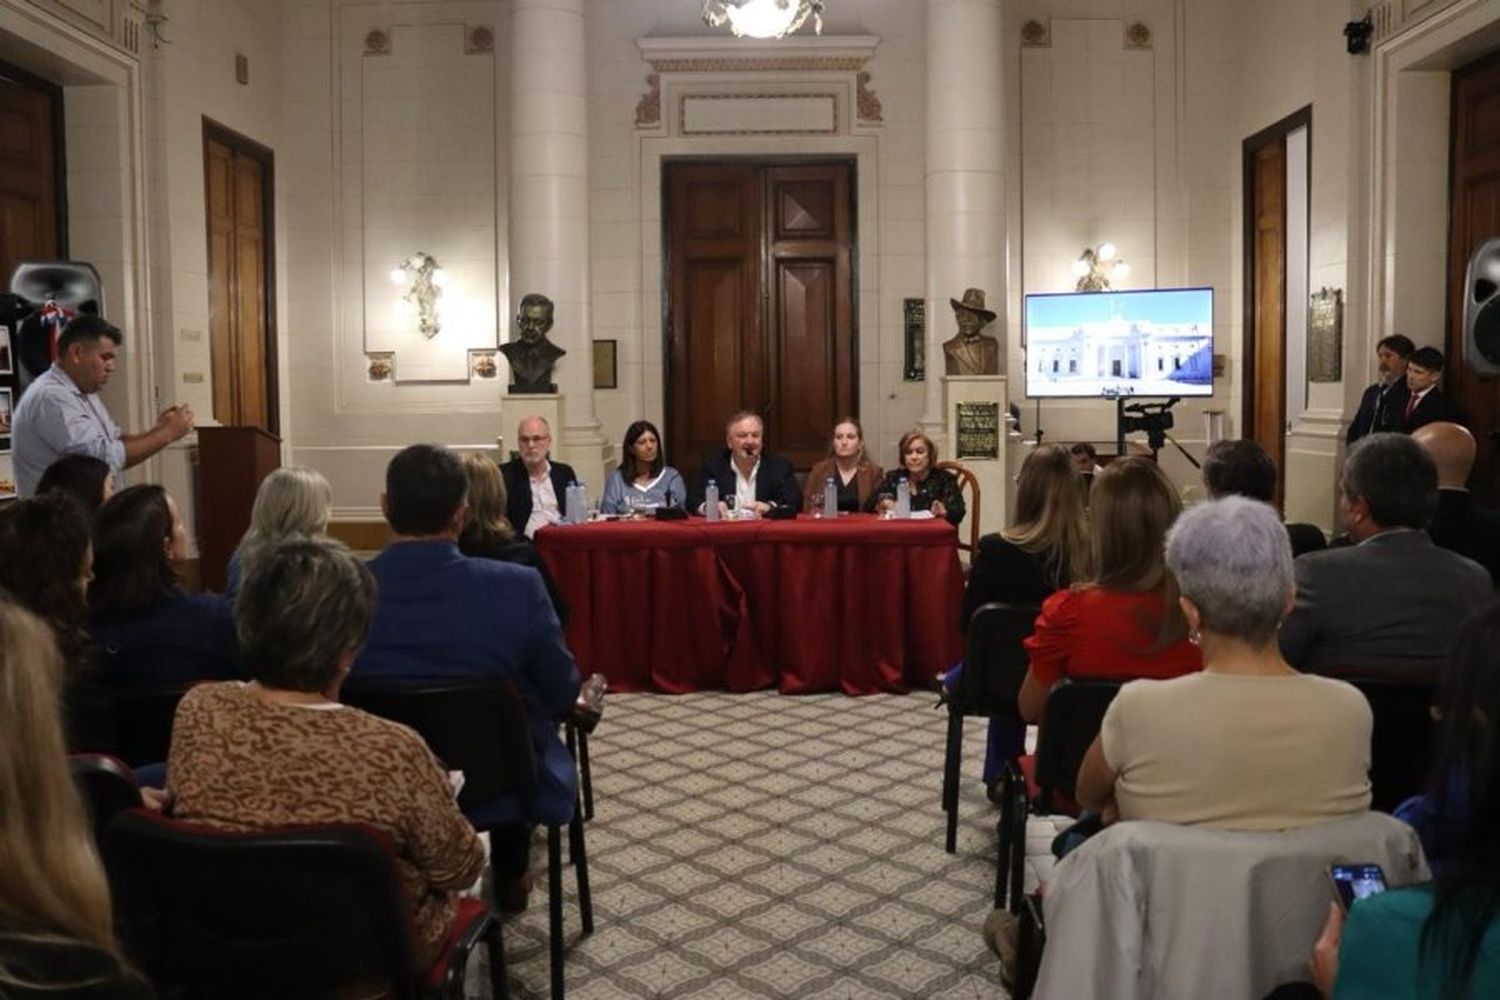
[[1108, 345]]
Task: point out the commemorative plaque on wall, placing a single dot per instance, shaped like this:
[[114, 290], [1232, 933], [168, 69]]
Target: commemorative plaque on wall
[[914, 329], [1325, 335], [978, 430]]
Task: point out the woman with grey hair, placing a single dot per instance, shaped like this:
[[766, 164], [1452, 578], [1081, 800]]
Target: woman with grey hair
[[1248, 743], [293, 502], [281, 751]]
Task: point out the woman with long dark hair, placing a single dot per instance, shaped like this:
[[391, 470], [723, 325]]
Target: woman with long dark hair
[[1441, 939], [150, 631], [85, 478], [644, 480]]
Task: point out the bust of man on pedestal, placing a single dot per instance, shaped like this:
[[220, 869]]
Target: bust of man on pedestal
[[531, 354], [971, 352]]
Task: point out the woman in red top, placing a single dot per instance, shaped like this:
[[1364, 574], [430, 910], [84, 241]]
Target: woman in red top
[[1124, 623]]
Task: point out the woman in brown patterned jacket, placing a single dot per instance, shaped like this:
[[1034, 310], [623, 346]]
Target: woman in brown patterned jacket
[[281, 750]]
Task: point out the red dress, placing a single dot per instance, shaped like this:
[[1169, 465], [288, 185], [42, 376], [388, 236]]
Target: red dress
[[1095, 632]]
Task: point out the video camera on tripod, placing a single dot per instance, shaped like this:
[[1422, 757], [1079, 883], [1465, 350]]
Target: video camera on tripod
[[1153, 418]]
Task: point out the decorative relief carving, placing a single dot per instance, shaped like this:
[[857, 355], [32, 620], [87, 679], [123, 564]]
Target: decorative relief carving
[[1036, 35], [118, 23], [484, 365], [1391, 17], [648, 108], [868, 103], [1137, 35], [479, 39], [378, 43], [381, 368]]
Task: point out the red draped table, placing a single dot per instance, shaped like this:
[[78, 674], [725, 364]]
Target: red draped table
[[855, 604]]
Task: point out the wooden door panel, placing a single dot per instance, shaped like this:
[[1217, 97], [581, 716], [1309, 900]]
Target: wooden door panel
[[712, 347], [806, 379], [1474, 216], [30, 213], [1267, 212], [218, 192]]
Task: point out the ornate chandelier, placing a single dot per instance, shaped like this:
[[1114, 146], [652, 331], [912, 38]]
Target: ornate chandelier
[[763, 18]]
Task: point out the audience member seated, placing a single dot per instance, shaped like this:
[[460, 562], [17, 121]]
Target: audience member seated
[[148, 630], [487, 532], [1123, 622], [931, 488], [1461, 524], [1085, 460], [1441, 939], [743, 471], [292, 502], [854, 476], [1389, 605], [1247, 743], [85, 478], [644, 480], [535, 486], [56, 929], [1427, 403], [46, 563], [442, 616], [281, 751], [1243, 469], [1470, 689]]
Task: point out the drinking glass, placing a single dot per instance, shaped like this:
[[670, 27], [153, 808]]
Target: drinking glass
[[886, 504]]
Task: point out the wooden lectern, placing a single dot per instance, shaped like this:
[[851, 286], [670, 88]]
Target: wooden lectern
[[231, 463]]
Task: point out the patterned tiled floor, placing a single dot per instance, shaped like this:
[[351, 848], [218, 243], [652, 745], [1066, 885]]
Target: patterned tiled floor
[[767, 846]]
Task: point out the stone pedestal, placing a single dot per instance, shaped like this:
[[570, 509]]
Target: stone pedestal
[[985, 396]]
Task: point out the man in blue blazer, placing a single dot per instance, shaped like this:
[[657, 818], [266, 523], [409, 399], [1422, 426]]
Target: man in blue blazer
[[442, 616], [761, 482]]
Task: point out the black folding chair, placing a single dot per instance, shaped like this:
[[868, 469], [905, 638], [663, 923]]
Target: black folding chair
[[107, 788], [143, 722], [1401, 743], [994, 667], [481, 729], [297, 912]]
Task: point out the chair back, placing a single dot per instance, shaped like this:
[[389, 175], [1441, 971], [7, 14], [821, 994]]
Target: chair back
[[143, 722], [994, 660], [1075, 710], [107, 788], [479, 728], [968, 484], [1401, 743], [296, 912]]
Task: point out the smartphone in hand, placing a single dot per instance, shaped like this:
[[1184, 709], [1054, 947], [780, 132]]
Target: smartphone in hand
[[1351, 882]]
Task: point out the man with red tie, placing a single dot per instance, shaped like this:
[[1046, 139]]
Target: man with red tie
[[1427, 403]]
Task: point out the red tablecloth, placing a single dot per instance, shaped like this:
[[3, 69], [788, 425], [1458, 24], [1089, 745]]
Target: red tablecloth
[[855, 604]]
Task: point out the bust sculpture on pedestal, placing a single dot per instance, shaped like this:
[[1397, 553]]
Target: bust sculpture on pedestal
[[971, 351], [531, 354]]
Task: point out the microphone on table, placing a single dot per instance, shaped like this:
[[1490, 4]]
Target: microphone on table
[[667, 512]]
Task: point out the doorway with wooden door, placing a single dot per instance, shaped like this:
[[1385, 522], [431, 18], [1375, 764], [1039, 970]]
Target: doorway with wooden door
[[1474, 217], [32, 188], [1269, 174], [239, 186], [760, 292]]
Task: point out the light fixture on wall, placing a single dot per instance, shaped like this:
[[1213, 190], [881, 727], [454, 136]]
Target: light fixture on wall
[[1097, 267], [763, 18], [427, 279]]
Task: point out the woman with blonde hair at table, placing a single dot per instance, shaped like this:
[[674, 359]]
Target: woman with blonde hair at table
[[56, 929], [855, 477], [292, 502], [488, 533]]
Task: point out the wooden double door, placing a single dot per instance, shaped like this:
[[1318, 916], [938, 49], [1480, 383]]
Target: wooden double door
[[761, 303], [31, 190]]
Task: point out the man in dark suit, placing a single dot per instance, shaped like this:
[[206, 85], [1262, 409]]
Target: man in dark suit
[[1242, 468], [1390, 604], [1381, 406], [760, 482], [1426, 403], [1460, 525], [535, 486]]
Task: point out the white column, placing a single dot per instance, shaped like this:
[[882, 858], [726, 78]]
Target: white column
[[965, 177], [549, 200]]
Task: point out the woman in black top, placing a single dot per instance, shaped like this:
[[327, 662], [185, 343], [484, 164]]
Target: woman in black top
[[488, 534], [931, 488]]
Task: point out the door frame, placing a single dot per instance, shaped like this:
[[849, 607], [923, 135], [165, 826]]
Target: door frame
[[244, 145], [54, 94], [1278, 131], [666, 162]]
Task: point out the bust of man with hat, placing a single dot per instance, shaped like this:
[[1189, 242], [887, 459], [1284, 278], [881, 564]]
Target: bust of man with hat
[[971, 351]]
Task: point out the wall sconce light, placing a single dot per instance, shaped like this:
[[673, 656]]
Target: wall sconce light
[[1357, 36], [1097, 266], [427, 279], [763, 18]]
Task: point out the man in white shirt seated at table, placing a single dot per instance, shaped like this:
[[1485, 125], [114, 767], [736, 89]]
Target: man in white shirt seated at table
[[534, 484], [757, 481]]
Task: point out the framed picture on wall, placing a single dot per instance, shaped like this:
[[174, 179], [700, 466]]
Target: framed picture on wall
[[606, 366], [7, 478], [7, 353], [5, 412]]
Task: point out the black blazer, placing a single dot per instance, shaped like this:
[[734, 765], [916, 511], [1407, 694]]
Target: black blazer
[[1463, 526], [1380, 409], [1003, 571], [775, 482], [518, 490], [1436, 406]]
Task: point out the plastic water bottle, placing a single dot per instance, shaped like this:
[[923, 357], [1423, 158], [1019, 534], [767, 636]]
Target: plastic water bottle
[[711, 501], [570, 505], [830, 499], [583, 503], [903, 498]]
